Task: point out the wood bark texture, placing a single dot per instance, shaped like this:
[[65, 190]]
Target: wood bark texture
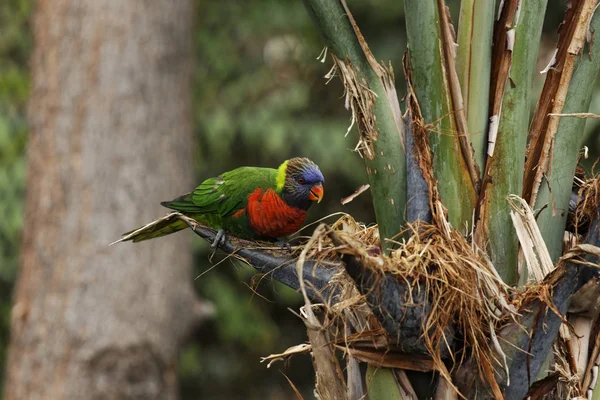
[[110, 137]]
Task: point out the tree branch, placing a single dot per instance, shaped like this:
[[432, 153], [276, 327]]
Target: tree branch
[[386, 296], [316, 274]]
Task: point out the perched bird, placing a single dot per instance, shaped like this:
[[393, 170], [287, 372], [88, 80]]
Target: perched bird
[[247, 202]]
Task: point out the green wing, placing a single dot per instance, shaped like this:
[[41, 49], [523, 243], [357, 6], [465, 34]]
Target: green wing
[[225, 194]]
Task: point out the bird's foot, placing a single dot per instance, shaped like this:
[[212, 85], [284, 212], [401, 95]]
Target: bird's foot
[[220, 238], [283, 245]]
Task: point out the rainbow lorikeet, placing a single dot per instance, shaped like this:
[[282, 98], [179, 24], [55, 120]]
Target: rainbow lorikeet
[[248, 202]]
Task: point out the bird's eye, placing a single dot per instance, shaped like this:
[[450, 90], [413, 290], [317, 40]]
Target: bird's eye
[[301, 181]]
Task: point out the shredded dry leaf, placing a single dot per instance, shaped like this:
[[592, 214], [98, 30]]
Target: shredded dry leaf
[[360, 100], [463, 288], [361, 189], [330, 382], [423, 151], [591, 373], [386, 75], [569, 385], [298, 349], [586, 207], [537, 257]]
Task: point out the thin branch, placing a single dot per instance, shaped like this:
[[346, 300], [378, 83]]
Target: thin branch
[[282, 268], [401, 320]]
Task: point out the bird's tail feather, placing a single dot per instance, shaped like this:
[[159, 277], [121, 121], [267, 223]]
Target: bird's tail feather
[[163, 226]]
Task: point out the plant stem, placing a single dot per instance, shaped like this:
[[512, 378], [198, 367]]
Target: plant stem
[[473, 64], [555, 190], [371, 95], [516, 43], [432, 79]]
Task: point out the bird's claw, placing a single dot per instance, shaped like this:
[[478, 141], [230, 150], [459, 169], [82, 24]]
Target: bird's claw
[[283, 245], [219, 239]]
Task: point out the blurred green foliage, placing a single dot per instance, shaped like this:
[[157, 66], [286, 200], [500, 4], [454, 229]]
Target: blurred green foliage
[[15, 47], [259, 98]]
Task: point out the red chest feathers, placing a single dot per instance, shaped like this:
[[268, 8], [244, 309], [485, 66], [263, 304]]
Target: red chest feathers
[[270, 216]]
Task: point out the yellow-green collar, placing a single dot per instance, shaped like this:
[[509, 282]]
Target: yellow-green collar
[[281, 172]]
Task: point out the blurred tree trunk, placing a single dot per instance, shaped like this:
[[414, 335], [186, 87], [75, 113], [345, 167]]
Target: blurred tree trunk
[[110, 137]]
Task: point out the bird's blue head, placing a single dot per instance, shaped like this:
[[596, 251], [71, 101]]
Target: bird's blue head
[[300, 182]]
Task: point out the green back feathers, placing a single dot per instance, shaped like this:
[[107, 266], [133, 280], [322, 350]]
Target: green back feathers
[[226, 194]]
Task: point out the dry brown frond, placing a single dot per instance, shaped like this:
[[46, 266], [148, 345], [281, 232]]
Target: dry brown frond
[[573, 35], [467, 302], [588, 201], [462, 287], [569, 385], [464, 291]]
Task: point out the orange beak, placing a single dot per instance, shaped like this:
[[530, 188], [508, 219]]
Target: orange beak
[[316, 193]]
